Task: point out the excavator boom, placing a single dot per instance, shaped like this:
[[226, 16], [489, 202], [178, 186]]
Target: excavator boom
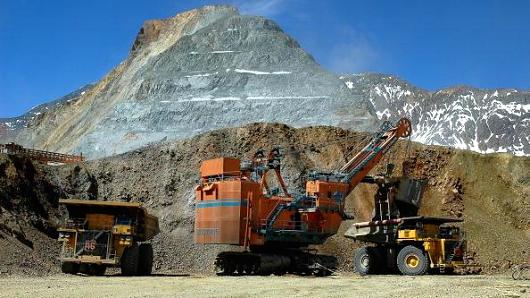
[[364, 161], [332, 189]]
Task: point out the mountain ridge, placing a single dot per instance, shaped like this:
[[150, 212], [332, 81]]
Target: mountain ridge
[[211, 68], [481, 120]]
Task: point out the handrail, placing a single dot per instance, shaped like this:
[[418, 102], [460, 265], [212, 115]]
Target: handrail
[[41, 155], [287, 224]]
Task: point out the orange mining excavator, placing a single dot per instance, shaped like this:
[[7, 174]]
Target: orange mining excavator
[[235, 205]]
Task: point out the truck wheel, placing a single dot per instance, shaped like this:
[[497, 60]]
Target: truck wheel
[[145, 263], [129, 260], [365, 260], [412, 261], [69, 268], [97, 270], [83, 269]]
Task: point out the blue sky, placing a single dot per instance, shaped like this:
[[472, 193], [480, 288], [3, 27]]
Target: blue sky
[[50, 48]]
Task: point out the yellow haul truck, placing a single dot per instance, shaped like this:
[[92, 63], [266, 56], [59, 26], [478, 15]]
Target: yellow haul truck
[[400, 239], [413, 245], [101, 234]]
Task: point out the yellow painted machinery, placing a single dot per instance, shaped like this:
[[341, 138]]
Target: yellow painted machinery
[[401, 240], [101, 234]]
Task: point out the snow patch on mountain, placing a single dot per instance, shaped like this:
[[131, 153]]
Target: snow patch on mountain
[[24, 121], [484, 121], [257, 72]]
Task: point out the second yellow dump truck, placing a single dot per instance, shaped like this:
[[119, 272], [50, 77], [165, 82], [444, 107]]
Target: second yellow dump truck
[[401, 240], [101, 234]]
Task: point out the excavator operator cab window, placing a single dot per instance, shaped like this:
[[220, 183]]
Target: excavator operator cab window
[[338, 197]]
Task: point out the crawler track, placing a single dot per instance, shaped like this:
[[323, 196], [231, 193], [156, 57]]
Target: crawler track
[[259, 263]]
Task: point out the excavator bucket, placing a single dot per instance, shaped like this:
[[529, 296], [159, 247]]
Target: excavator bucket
[[409, 196]]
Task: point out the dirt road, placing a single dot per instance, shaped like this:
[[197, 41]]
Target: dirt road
[[342, 285]]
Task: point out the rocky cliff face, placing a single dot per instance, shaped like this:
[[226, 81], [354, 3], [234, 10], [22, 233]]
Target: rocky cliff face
[[10, 128], [203, 69], [212, 68], [484, 121]]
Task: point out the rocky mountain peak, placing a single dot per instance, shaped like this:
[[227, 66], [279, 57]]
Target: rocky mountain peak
[[149, 32], [204, 69], [181, 24]]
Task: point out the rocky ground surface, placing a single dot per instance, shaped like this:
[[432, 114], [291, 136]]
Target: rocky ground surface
[[491, 192], [342, 285], [28, 217]]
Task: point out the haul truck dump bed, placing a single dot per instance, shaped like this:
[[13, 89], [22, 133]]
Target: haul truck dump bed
[[100, 234]]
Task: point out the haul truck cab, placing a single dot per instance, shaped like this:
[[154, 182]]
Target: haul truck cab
[[101, 234]]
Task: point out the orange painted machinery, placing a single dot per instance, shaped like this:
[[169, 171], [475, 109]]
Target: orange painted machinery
[[236, 205]]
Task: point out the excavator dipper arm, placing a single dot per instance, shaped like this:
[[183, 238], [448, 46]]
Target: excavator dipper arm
[[358, 167]]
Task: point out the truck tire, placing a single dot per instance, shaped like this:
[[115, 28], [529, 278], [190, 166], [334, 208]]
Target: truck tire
[[412, 261], [97, 270], [366, 260], [129, 260], [70, 268], [145, 262], [83, 269]]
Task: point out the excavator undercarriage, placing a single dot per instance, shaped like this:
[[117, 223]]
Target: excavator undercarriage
[[277, 262]]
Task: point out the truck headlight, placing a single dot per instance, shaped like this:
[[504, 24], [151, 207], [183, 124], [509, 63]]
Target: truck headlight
[[125, 240], [64, 235]]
